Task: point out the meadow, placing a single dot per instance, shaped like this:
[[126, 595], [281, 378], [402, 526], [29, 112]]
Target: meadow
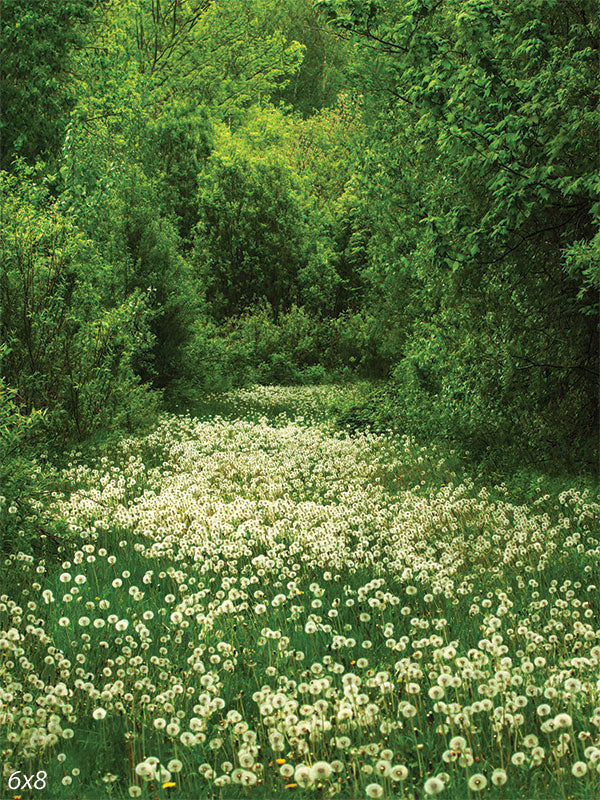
[[253, 603]]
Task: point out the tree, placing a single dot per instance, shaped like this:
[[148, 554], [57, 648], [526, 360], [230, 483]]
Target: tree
[[251, 236], [484, 121], [68, 346]]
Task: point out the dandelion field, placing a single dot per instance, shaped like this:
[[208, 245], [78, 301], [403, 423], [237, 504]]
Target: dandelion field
[[255, 604]]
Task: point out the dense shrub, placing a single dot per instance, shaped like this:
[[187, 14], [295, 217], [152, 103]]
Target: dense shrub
[[296, 347], [69, 347], [251, 236], [19, 482]]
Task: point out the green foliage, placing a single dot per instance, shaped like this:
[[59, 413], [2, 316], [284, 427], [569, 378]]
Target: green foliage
[[179, 142], [68, 348], [19, 479], [481, 185], [237, 192], [321, 76], [36, 96], [255, 347], [372, 411], [355, 340], [126, 203], [294, 347], [251, 236], [190, 53]]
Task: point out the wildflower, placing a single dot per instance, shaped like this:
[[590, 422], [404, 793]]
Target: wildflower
[[499, 777], [458, 744], [433, 785], [303, 775], [563, 720], [399, 773], [383, 767], [320, 770], [477, 782]]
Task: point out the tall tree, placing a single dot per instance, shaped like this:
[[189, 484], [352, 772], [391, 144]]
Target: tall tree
[[484, 120]]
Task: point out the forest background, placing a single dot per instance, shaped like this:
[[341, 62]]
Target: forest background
[[200, 195]]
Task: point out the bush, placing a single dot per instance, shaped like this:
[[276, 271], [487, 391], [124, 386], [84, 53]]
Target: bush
[[255, 347], [373, 411], [69, 347], [19, 482], [251, 236], [355, 341], [464, 389]]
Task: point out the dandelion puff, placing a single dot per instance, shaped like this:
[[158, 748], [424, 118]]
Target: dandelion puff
[[399, 773], [499, 777], [563, 720], [246, 759], [433, 785], [457, 743], [302, 775], [165, 775], [579, 769], [531, 740], [374, 790], [98, 713], [320, 771], [235, 775], [383, 767], [247, 778], [145, 771], [477, 782]]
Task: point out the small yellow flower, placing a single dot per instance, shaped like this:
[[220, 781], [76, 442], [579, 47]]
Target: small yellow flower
[[291, 785], [169, 785], [280, 761]]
